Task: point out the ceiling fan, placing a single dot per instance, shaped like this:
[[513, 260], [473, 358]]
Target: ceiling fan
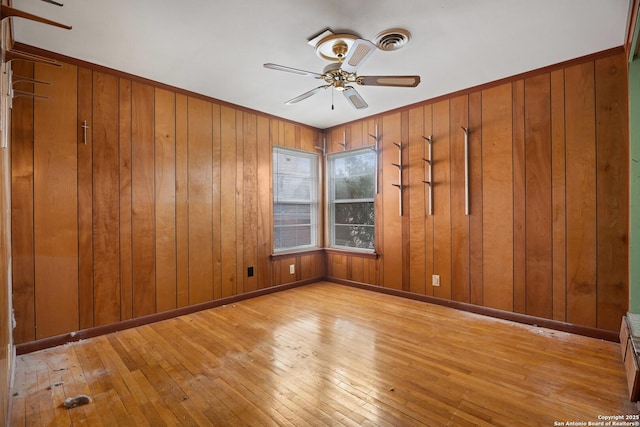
[[347, 53]]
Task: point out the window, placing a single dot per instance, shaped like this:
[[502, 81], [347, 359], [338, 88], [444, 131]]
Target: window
[[350, 192], [295, 200]]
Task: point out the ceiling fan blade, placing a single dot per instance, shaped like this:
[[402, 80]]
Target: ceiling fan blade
[[397, 81], [354, 98], [358, 53], [306, 95], [293, 70]]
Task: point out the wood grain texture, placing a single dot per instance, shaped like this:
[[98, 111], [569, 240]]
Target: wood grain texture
[[182, 202], [165, 199], [418, 199], [228, 207], [581, 194], [238, 286], [539, 235], [519, 199], [106, 211], [251, 200], [55, 202], [22, 249], [442, 198], [216, 197], [475, 200], [392, 225], [143, 200], [85, 197], [558, 196], [126, 242], [428, 228], [459, 118], [200, 175], [264, 206], [367, 355], [612, 173], [497, 205]]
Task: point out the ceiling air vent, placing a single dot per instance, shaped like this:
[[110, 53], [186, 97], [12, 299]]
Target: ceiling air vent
[[392, 39]]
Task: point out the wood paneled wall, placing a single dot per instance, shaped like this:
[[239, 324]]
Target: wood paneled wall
[[6, 343], [548, 225], [166, 205]]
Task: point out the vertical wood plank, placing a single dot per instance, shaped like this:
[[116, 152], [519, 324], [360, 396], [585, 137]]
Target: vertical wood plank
[[238, 286], [459, 117], [126, 261], [428, 228], [85, 198], [612, 190], [539, 235], [264, 239], [182, 204], [308, 140], [106, 191], [251, 197], [392, 224], [22, 250], [55, 202], [558, 167], [497, 206], [442, 199], [290, 132], [228, 158], [142, 199], [165, 204], [200, 200], [216, 194], [475, 196], [406, 264], [581, 194], [519, 200], [417, 191]]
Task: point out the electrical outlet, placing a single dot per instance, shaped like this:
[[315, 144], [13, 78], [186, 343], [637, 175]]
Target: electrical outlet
[[435, 280], [250, 272], [292, 269]]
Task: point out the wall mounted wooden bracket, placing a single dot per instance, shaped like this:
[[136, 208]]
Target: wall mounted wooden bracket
[[400, 185], [429, 176], [10, 12], [16, 55]]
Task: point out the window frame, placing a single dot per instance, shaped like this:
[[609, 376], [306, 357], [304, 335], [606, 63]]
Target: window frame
[[314, 203], [330, 199]]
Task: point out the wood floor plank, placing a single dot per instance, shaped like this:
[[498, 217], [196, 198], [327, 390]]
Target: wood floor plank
[[325, 354]]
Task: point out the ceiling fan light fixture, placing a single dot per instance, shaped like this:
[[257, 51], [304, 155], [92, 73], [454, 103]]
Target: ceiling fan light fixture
[[334, 47]]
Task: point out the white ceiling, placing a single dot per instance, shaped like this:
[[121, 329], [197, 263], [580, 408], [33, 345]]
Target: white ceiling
[[218, 48]]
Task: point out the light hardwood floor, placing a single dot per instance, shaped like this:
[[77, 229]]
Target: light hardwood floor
[[325, 354]]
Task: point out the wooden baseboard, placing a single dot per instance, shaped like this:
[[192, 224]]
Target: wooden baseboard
[[491, 312], [486, 311], [156, 317]]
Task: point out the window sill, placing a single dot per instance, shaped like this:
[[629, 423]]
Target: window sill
[[282, 255], [361, 254]]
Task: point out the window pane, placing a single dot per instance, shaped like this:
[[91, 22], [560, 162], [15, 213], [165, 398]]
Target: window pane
[[295, 199], [351, 193], [354, 236], [289, 237], [354, 213], [353, 176], [290, 214], [293, 176]]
